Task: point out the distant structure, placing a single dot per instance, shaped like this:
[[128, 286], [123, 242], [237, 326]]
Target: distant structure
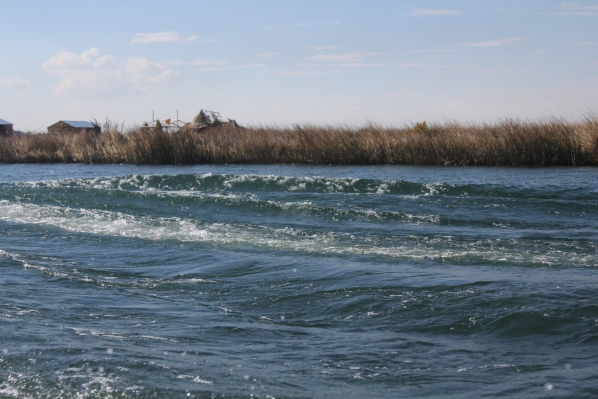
[[202, 121], [5, 128], [165, 125], [73, 127], [206, 119]]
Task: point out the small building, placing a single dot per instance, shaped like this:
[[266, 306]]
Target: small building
[[5, 128], [73, 127]]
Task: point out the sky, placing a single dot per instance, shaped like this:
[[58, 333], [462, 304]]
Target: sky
[[272, 62]]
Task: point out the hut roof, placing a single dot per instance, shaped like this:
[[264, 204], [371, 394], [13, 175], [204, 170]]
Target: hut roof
[[79, 124], [3, 122]]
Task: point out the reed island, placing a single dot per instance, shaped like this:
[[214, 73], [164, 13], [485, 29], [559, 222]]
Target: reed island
[[509, 142]]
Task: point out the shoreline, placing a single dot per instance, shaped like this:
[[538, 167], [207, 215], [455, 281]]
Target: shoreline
[[551, 142]]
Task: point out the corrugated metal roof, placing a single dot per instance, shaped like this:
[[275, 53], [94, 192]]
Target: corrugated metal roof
[[79, 123], [3, 122]]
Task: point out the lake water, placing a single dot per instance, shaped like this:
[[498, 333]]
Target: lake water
[[296, 281]]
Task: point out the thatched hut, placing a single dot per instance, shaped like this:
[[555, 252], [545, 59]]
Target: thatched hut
[[5, 128], [207, 119], [73, 127]]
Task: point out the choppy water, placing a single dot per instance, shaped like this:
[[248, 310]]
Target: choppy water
[[290, 281]]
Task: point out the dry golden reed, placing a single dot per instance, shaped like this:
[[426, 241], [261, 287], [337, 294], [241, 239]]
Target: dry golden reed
[[510, 142]]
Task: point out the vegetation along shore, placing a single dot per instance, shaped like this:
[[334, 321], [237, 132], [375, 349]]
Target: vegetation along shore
[[509, 142]]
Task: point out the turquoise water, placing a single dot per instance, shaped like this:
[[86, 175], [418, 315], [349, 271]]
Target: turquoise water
[[295, 281]]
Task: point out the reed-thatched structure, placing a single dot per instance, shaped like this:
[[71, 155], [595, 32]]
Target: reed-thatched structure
[[207, 119]]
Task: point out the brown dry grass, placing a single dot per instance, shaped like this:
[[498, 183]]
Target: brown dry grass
[[510, 142]]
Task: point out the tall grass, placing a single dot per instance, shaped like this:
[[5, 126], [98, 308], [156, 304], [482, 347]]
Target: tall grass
[[510, 142]]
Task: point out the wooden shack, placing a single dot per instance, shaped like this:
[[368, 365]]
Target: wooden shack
[[5, 128], [73, 127]]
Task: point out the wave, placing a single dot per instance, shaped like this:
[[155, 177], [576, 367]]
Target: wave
[[440, 248], [317, 184], [333, 199]]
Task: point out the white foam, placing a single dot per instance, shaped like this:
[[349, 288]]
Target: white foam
[[195, 379], [192, 281], [107, 223], [8, 391], [158, 338], [101, 222]]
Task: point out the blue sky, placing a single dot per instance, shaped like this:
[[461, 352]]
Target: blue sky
[[284, 62]]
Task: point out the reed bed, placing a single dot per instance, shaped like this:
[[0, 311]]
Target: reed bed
[[509, 142]]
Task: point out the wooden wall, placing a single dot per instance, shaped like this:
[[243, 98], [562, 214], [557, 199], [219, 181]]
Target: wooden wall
[[63, 128], [5, 130]]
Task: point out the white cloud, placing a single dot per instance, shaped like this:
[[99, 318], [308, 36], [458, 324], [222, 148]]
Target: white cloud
[[575, 9], [214, 66], [351, 60], [412, 64], [165, 76], [582, 13], [90, 58], [265, 56], [303, 25], [215, 63], [90, 72], [247, 66], [346, 57], [295, 25], [495, 43], [304, 73], [362, 64], [586, 43], [431, 51], [320, 48], [163, 37], [426, 12], [18, 84]]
